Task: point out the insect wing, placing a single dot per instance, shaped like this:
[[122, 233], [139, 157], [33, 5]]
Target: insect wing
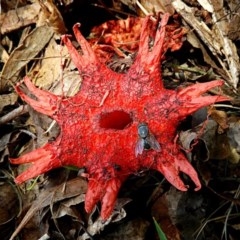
[[139, 147], [154, 143]]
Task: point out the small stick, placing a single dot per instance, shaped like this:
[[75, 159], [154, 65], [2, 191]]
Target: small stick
[[13, 114]]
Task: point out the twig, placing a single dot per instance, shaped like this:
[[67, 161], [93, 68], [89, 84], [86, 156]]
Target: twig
[[13, 114]]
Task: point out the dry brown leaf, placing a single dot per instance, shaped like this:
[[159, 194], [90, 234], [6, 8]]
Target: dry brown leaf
[[234, 22], [66, 190], [20, 17], [155, 6], [51, 16], [145, 7], [49, 72], [234, 139], [23, 54], [96, 225], [7, 99], [193, 39], [9, 208], [233, 27], [214, 139], [132, 230], [180, 213], [49, 69], [66, 207], [189, 141], [221, 118], [13, 4], [3, 54], [164, 211], [215, 38]]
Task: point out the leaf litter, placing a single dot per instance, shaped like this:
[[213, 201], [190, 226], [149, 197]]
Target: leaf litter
[[219, 168]]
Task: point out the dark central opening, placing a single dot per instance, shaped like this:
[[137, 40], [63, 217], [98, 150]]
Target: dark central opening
[[115, 120]]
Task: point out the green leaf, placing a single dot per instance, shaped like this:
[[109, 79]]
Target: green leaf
[[160, 232]]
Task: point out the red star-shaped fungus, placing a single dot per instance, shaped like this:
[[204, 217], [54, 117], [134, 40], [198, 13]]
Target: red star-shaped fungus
[[99, 125]]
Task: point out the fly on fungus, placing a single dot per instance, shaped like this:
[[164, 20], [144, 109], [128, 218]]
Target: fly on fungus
[[106, 112], [146, 140]]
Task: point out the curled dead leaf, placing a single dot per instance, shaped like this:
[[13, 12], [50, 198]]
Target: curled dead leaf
[[51, 15], [23, 54], [71, 188]]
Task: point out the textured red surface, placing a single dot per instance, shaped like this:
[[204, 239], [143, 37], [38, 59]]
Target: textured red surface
[[99, 124]]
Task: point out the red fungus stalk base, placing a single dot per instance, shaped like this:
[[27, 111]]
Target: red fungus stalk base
[[99, 124]]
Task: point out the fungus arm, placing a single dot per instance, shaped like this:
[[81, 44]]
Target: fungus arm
[[191, 98], [42, 159], [46, 102]]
